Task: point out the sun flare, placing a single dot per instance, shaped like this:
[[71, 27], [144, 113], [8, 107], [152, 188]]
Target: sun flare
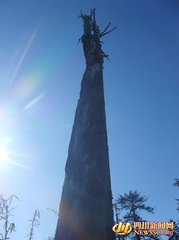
[[9, 131], [6, 159], [3, 157]]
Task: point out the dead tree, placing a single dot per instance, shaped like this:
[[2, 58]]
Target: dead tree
[[86, 201], [91, 39]]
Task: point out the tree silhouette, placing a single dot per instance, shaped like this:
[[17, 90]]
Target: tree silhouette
[[5, 215], [34, 222], [175, 235], [176, 184], [133, 203]]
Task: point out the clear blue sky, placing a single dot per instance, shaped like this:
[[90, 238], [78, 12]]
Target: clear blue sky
[[41, 67]]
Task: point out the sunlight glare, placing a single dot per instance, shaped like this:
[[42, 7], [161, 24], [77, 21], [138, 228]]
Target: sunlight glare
[[3, 157], [8, 157]]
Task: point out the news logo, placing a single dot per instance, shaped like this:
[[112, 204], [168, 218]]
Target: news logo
[[122, 228], [145, 228]]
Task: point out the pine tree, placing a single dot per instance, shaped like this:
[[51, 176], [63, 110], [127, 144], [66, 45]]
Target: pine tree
[[133, 203]]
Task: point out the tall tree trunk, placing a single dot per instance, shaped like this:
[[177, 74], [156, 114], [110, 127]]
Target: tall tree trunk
[[86, 202]]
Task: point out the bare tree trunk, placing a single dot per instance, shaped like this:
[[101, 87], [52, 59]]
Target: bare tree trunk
[[86, 202]]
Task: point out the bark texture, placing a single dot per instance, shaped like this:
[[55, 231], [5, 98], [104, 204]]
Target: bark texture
[[86, 202]]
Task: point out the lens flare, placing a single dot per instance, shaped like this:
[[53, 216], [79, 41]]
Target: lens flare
[[34, 101], [24, 54]]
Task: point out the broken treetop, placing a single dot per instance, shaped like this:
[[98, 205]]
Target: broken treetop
[[91, 39]]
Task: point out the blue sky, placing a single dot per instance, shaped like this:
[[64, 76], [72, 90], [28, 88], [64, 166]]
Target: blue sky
[[41, 68]]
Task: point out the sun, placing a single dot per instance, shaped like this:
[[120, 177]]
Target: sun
[[8, 127], [3, 157]]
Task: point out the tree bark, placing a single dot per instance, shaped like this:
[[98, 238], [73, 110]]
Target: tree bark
[[86, 201]]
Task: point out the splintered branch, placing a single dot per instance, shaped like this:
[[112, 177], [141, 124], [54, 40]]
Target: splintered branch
[[96, 27], [105, 33], [105, 28], [93, 14], [91, 38]]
